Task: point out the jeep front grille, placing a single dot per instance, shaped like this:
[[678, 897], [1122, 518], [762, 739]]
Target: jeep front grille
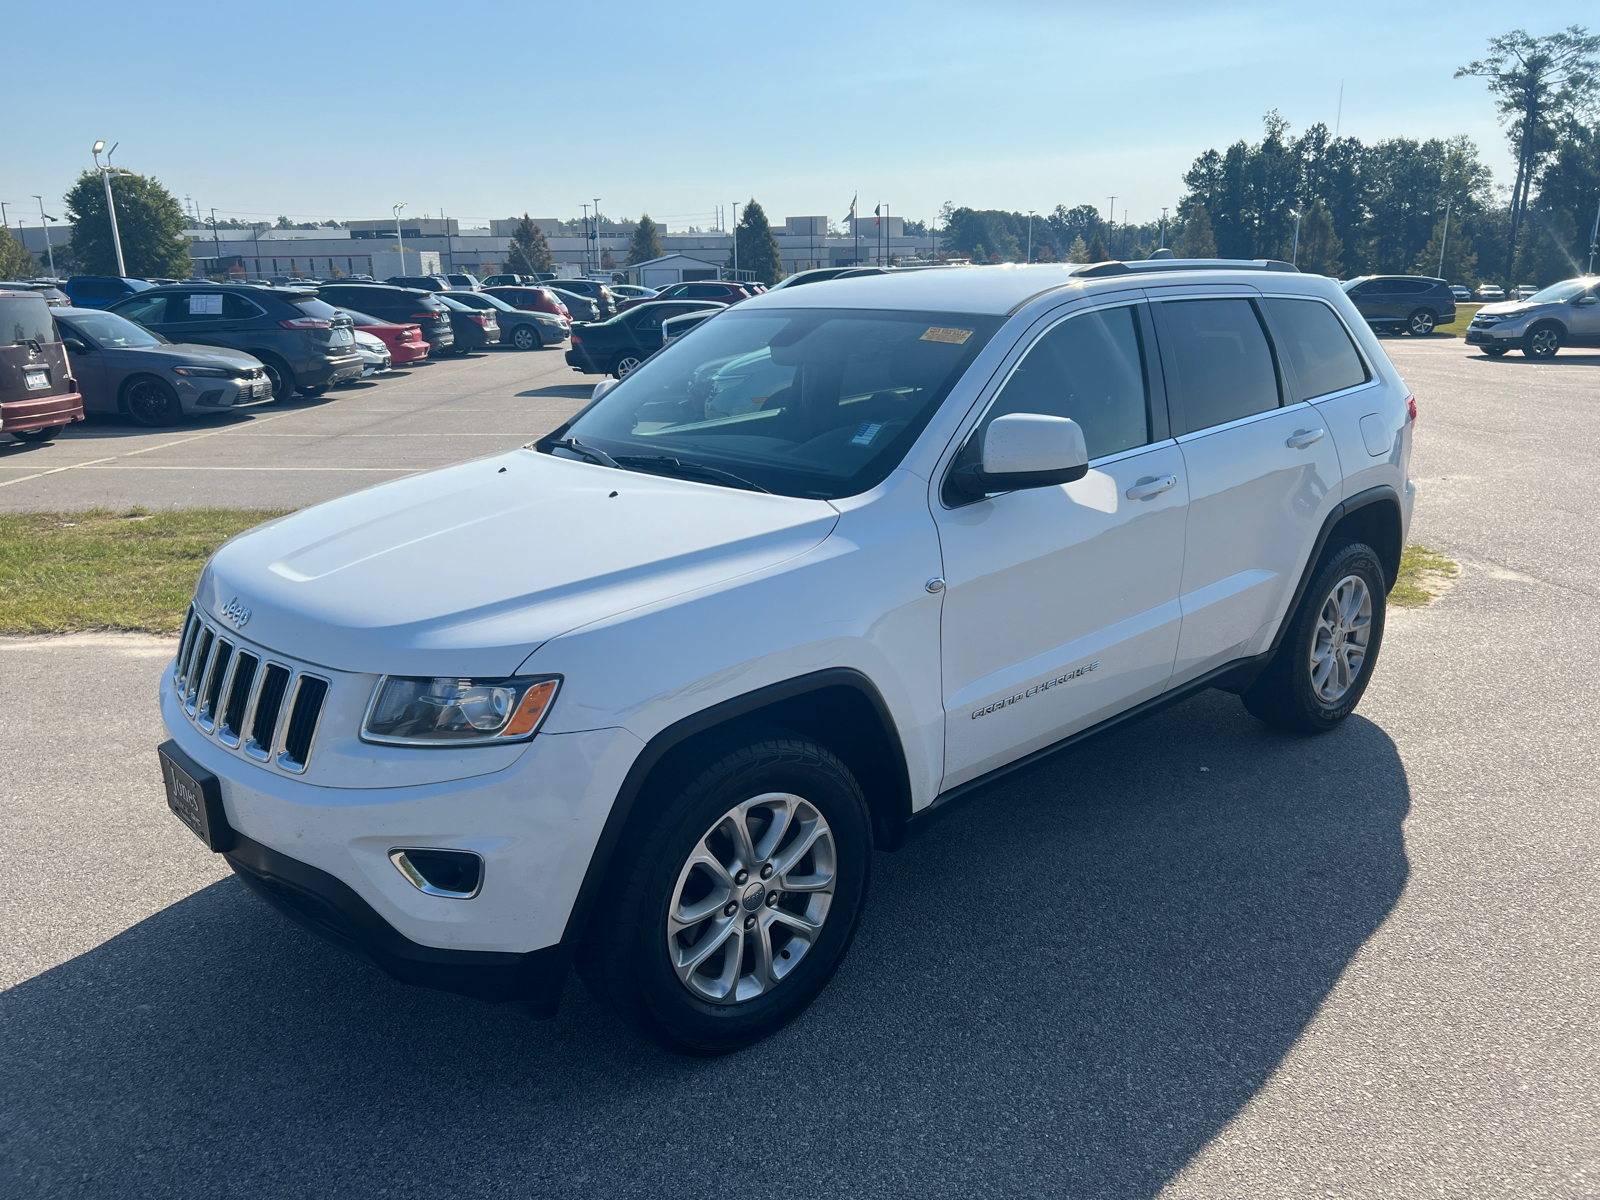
[[269, 710]]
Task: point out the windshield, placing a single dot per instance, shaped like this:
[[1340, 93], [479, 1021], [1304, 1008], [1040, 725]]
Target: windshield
[[493, 301], [113, 332], [452, 303], [818, 403], [1568, 289]]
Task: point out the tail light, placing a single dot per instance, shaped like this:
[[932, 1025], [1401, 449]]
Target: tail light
[[410, 333], [1411, 408], [576, 340], [306, 323], [427, 316], [481, 320]]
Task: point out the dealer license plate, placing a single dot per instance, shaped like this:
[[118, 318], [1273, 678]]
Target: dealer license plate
[[37, 379], [195, 797]]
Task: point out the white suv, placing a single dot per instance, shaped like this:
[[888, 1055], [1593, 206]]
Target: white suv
[[646, 694]]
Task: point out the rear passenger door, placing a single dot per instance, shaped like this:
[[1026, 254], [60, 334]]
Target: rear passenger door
[[1262, 470]]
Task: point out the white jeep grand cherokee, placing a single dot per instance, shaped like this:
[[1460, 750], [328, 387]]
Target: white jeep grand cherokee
[[646, 694]]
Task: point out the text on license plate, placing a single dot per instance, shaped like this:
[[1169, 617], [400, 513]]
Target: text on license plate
[[37, 379]]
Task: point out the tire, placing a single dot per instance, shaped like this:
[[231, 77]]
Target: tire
[[1495, 351], [35, 436], [526, 337], [1421, 322], [1542, 341], [151, 402], [1340, 618], [638, 957], [624, 363], [283, 381]]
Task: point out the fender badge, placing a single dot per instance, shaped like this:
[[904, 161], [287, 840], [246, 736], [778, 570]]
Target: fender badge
[[235, 612]]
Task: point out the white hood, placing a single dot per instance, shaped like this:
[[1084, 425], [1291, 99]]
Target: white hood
[[469, 569]]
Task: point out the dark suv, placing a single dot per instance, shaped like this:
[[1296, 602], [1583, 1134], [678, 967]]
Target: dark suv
[[304, 344], [723, 292], [426, 283], [38, 395], [1412, 303], [596, 291], [402, 305]]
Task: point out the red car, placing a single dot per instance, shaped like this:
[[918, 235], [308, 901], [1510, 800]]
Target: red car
[[531, 299], [405, 342], [706, 289]]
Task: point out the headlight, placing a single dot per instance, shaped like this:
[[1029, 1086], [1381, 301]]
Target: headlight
[[446, 711], [204, 372], [545, 319]]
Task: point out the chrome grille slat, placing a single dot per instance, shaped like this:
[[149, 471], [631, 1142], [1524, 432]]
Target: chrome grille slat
[[300, 726], [268, 708], [241, 689], [211, 689], [197, 672]]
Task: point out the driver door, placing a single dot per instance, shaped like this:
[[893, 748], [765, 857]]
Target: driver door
[[1061, 603]]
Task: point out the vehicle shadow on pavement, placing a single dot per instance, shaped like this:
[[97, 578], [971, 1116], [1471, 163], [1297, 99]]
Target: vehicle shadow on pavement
[[1066, 988], [570, 391], [1567, 358]]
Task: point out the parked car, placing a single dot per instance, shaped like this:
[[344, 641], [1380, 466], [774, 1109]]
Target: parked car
[[816, 275], [101, 291], [580, 308], [519, 328], [467, 283], [403, 306], [617, 346], [375, 358], [1491, 292], [303, 342], [404, 340], [426, 283], [596, 291], [507, 280], [53, 295], [722, 292], [475, 329], [1414, 304], [1462, 295], [673, 328], [39, 395], [533, 299], [1526, 290], [646, 694], [632, 291], [125, 368], [1563, 314]]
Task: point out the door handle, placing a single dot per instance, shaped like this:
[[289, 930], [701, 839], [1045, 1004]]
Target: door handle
[[1301, 438], [1152, 485]]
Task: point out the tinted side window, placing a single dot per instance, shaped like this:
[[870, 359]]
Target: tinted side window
[[147, 310], [1218, 361], [1314, 343], [1090, 368]]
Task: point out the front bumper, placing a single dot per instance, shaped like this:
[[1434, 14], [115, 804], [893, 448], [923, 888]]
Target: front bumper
[[1486, 335], [323, 855], [20, 416], [202, 394]]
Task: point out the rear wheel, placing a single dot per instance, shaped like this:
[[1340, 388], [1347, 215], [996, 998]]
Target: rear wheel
[[1421, 322], [727, 914], [624, 364], [1542, 341], [526, 337], [151, 401], [39, 435], [1321, 668], [281, 377]]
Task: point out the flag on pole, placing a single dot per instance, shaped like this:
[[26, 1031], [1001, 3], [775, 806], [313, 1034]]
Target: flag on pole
[[852, 214], [877, 216]]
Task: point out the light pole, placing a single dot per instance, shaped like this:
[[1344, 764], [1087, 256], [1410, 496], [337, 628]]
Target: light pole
[[1111, 222], [111, 208], [1163, 245], [44, 220], [1444, 238], [736, 241], [4, 220], [399, 239], [216, 243], [1030, 235], [1294, 255], [1594, 239], [597, 255]]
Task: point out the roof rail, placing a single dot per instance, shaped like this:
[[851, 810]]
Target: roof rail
[[1188, 264]]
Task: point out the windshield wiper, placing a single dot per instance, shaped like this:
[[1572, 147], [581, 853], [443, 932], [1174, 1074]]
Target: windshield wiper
[[599, 457], [667, 465]]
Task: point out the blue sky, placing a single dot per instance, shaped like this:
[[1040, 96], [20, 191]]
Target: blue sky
[[491, 108]]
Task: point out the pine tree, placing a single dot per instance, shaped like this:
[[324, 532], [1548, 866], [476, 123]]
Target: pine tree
[[979, 254], [1320, 247], [1078, 252], [1097, 251], [646, 243], [757, 247], [1044, 254], [1197, 241], [529, 252], [150, 222], [15, 262], [607, 262]]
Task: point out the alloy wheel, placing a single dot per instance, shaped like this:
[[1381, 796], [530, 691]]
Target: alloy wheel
[[524, 338], [150, 403], [1421, 324], [1340, 639], [1544, 342], [625, 364], [751, 898]]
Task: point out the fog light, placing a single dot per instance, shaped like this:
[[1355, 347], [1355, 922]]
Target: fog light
[[453, 874]]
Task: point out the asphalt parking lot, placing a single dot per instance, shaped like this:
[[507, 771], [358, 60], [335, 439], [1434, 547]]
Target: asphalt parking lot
[[1194, 958]]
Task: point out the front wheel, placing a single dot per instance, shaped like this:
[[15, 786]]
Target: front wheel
[[1542, 341], [1421, 323], [1321, 668], [727, 913], [152, 402], [526, 337]]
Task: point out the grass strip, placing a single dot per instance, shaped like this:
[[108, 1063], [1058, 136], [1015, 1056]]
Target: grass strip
[[136, 570], [1464, 315], [1424, 576]]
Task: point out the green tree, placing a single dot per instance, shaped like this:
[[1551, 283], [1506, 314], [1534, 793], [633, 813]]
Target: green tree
[[1320, 247], [757, 248], [1078, 252], [1541, 85], [1460, 260], [15, 261], [646, 243], [979, 254], [149, 218], [1097, 250], [1197, 241], [529, 252]]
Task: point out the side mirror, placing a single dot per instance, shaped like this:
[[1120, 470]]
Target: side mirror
[[1026, 450], [601, 388], [75, 345], [1585, 301]]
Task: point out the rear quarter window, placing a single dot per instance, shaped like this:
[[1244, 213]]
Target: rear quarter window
[[317, 308], [1315, 345]]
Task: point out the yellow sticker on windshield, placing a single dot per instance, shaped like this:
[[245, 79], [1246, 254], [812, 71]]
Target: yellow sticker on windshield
[[956, 337]]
